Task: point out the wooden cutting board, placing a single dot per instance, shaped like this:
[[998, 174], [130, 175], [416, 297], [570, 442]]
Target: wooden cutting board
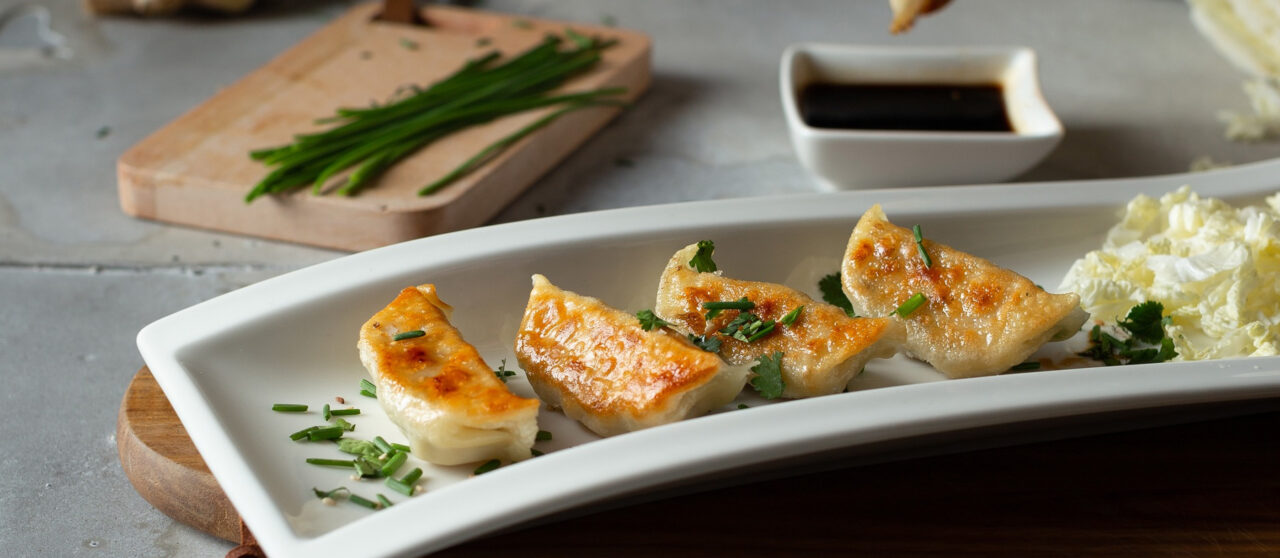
[[196, 170], [1201, 489]]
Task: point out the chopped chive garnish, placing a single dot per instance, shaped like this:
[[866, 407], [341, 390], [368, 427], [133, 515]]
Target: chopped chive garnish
[[344, 412], [394, 463], [535, 452], [322, 494], [502, 373], [404, 485], [367, 389], [344, 424], [384, 501], [408, 335], [791, 316], [542, 436], [924, 254], [303, 433], [1022, 367], [412, 476], [326, 413], [401, 447], [364, 467], [740, 304], [747, 327], [356, 499], [399, 486], [916, 301], [761, 330], [488, 466], [330, 462], [716, 306], [326, 433], [382, 445], [288, 408], [743, 406]]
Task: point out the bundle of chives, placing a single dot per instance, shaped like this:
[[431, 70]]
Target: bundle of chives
[[377, 137]]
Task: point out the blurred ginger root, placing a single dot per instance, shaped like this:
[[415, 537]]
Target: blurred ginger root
[[905, 12], [164, 7]]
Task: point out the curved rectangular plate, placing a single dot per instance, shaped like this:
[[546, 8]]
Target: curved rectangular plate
[[222, 363]]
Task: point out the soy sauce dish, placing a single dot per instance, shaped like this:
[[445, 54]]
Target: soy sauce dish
[[875, 117]]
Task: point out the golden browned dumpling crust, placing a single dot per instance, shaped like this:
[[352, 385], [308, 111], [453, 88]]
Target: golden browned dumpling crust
[[821, 351], [438, 389], [605, 371], [979, 319]]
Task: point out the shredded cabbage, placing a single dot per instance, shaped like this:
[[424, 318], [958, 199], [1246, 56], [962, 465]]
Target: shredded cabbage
[[1213, 267]]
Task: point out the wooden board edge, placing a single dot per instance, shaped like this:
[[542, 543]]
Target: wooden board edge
[[182, 492]]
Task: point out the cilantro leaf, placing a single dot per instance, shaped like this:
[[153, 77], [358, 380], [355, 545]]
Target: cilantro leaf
[[1147, 342], [649, 320], [708, 343], [833, 294], [702, 260], [768, 380], [362, 448], [1142, 356], [1144, 322], [487, 466], [1167, 352]]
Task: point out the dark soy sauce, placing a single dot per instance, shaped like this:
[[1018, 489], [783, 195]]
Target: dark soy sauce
[[881, 106]]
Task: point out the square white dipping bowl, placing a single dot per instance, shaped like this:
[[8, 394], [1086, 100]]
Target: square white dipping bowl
[[855, 159]]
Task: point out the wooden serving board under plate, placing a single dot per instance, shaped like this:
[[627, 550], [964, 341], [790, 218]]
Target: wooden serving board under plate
[[1200, 489], [196, 170]]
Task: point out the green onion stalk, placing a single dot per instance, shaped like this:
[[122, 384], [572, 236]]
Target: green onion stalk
[[373, 139]]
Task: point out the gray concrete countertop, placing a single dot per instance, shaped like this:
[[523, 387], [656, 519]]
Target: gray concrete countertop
[[1135, 86]]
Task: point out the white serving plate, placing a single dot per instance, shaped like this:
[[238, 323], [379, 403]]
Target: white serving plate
[[222, 363]]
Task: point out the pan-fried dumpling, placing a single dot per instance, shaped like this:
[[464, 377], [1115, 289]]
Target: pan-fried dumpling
[[822, 350], [605, 371], [438, 389], [978, 318]]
